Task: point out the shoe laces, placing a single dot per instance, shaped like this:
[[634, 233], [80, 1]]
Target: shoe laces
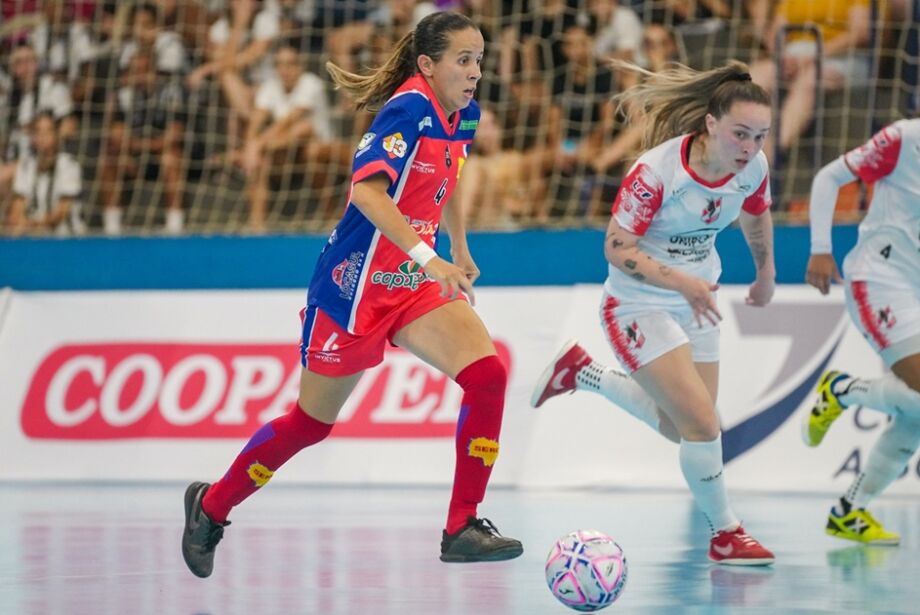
[[743, 537], [214, 535], [868, 516], [484, 525]]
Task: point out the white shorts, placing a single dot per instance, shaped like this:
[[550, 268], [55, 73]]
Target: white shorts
[[639, 334], [887, 316]]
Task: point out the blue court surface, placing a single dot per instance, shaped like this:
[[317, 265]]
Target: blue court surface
[[114, 549]]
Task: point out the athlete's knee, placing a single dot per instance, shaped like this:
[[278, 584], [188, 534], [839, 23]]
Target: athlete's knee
[[700, 428], [487, 375]]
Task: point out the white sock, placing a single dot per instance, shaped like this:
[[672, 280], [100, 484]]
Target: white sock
[[620, 389], [888, 394], [174, 221], [701, 463], [887, 459], [111, 220]]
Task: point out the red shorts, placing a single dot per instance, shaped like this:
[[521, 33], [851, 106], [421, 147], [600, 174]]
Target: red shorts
[[329, 350]]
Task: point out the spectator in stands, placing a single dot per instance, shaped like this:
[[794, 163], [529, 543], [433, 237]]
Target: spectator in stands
[[659, 47], [98, 69], [145, 140], [29, 93], [188, 19], [492, 190], [290, 124], [146, 33], [389, 21], [619, 32], [845, 29], [238, 57], [60, 41], [47, 186], [580, 117]]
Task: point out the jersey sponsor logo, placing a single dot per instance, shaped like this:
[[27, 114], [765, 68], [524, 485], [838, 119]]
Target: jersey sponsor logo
[[120, 391], [345, 275], [426, 121], [422, 228], [408, 275], [469, 124], [367, 139], [395, 146], [424, 168], [460, 162], [712, 210], [693, 248], [485, 449], [447, 159]]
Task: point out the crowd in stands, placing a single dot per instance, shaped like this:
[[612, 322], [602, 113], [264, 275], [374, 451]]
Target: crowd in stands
[[175, 115]]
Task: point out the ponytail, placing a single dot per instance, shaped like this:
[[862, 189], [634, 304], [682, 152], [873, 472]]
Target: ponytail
[[371, 91], [676, 100]]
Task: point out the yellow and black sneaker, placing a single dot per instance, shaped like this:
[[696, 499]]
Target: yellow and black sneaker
[[859, 525], [826, 410], [478, 541]]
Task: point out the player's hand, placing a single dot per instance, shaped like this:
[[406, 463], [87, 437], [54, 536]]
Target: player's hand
[[699, 294], [464, 260], [450, 278], [761, 291], [821, 271]]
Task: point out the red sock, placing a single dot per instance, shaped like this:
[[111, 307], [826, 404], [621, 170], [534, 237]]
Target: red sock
[[267, 450], [478, 427]]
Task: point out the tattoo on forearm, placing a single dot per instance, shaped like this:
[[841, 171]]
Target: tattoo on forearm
[[629, 263], [638, 276], [614, 242], [664, 270], [760, 253]]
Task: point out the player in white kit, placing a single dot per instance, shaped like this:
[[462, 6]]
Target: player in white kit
[[883, 297], [703, 169]]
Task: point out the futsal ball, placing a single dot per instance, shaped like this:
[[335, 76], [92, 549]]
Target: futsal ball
[[586, 570]]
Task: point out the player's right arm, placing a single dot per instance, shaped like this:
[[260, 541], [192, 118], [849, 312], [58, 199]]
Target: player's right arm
[[640, 197], [371, 198], [622, 250], [869, 162]]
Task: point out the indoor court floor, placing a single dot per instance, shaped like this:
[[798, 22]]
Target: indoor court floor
[[114, 549]]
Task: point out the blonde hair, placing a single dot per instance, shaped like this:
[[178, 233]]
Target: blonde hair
[[430, 38], [676, 100]]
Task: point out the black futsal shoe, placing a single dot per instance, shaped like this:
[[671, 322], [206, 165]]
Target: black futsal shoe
[[201, 535], [478, 541]]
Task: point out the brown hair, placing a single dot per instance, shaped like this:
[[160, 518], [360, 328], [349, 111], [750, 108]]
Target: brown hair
[[676, 100], [429, 38]]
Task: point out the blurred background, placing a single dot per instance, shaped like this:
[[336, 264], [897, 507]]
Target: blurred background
[[217, 116]]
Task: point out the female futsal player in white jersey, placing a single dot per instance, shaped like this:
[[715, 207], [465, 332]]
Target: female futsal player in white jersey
[[883, 297], [702, 169]]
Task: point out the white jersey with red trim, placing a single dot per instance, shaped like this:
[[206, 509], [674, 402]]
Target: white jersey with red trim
[[888, 249], [678, 214]]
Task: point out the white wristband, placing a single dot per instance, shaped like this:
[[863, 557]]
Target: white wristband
[[421, 253]]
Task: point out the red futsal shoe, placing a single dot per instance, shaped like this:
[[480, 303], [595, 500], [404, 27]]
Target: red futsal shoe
[[738, 548], [559, 375]]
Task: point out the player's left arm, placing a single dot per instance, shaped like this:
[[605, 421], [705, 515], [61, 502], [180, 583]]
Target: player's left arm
[[454, 221], [758, 232]]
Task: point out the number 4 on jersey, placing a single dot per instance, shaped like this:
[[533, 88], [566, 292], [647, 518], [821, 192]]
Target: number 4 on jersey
[[886, 251], [439, 195]]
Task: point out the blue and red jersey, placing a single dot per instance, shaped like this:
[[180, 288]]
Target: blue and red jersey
[[361, 276]]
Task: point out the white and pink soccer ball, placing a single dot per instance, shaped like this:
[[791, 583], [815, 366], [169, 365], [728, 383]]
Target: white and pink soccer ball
[[586, 570]]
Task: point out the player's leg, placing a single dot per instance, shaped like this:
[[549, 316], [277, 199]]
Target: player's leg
[[334, 362], [453, 339], [574, 369], [889, 319], [684, 390]]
